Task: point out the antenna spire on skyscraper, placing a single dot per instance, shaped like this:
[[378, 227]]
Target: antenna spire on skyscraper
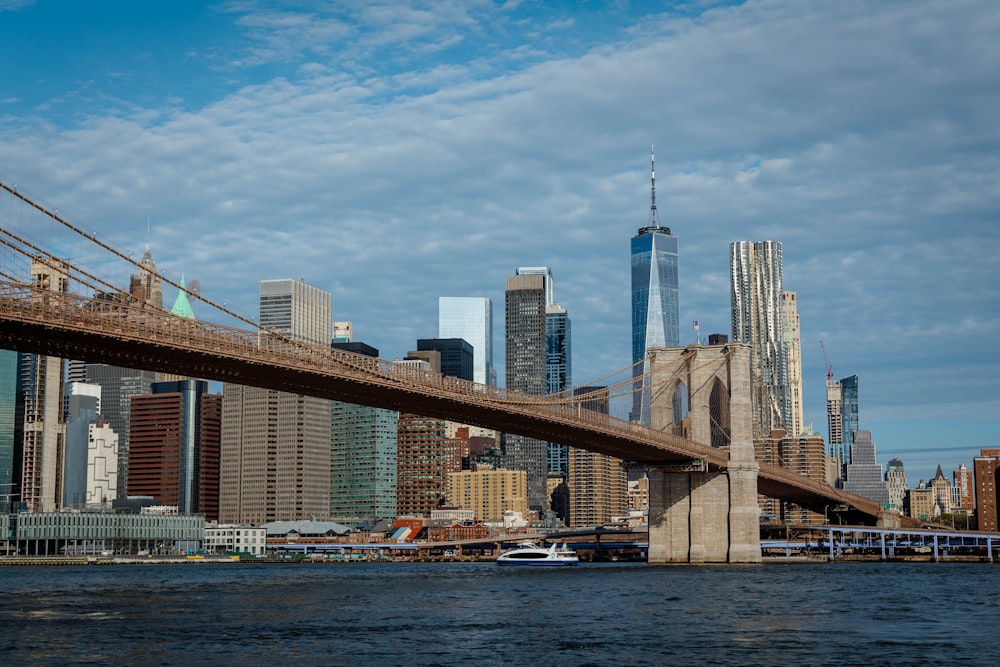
[[652, 174]]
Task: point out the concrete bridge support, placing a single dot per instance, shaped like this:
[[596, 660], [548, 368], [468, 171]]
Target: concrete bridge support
[[697, 515]]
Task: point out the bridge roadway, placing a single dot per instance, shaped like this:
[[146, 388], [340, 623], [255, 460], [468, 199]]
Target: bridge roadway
[[116, 333]]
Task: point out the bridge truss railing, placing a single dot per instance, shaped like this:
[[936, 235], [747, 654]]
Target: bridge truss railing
[[132, 321]]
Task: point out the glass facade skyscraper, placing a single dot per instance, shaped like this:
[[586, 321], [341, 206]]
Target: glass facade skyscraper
[[558, 375], [655, 296], [849, 415], [10, 434], [471, 318], [362, 463]]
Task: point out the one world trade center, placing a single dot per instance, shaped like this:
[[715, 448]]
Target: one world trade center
[[655, 300]]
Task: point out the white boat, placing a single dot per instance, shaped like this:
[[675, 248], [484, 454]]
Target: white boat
[[529, 553]]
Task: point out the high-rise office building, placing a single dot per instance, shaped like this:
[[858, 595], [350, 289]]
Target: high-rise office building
[[175, 443], [525, 304], [296, 309], [90, 459], [457, 356], [11, 429], [470, 318], [655, 297], [362, 463], [118, 386], [793, 344], [598, 483], [363, 459], [757, 300], [843, 419], [864, 473], [275, 458], [558, 376], [41, 379], [849, 414]]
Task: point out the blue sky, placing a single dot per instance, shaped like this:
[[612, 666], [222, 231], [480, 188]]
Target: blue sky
[[399, 151]]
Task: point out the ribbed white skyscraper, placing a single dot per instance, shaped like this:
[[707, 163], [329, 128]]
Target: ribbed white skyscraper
[[758, 318]]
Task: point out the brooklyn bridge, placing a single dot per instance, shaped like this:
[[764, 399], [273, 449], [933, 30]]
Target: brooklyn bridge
[[59, 297]]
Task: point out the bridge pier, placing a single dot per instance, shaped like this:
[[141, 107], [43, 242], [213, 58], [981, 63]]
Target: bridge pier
[[697, 515]]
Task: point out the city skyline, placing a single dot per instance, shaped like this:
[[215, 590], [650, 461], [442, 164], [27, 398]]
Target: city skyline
[[245, 144]]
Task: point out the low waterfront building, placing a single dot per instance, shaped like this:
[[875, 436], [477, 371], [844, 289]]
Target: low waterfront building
[[455, 531], [235, 538], [83, 533], [290, 532]]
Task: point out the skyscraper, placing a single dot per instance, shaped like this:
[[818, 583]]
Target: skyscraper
[[525, 302], [363, 463], [793, 343], [849, 413], [363, 457], [864, 473], [41, 379], [558, 376], [275, 459], [457, 356], [655, 296], [146, 286], [118, 386], [835, 427], [470, 318], [421, 467], [175, 442], [90, 458], [757, 300], [11, 428]]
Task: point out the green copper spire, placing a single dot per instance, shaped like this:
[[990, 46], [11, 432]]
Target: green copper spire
[[182, 308]]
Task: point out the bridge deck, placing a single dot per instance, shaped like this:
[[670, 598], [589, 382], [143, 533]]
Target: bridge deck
[[122, 334]]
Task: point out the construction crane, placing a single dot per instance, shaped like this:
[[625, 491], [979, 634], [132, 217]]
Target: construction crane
[[827, 364]]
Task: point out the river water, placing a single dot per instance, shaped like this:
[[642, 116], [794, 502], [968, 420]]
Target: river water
[[481, 614]]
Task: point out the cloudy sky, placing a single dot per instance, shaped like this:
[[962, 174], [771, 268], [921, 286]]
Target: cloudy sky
[[394, 152]]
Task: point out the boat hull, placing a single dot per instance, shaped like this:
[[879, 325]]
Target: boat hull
[[537, 563]]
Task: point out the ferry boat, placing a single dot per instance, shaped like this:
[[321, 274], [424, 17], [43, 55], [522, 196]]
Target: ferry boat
[[529, 553]]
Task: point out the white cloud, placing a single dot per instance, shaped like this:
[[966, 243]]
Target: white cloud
[[860, 134]]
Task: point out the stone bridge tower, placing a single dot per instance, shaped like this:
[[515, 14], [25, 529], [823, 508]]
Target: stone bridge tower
[[697, 516]]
